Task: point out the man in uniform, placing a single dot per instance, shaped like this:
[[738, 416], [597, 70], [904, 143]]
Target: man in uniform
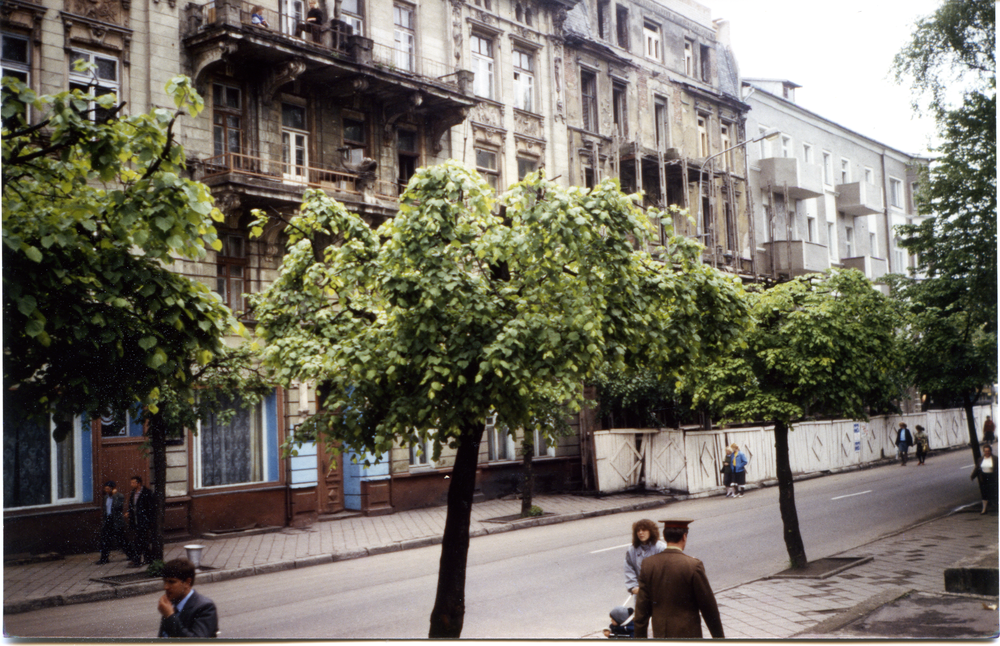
[[674, 590]]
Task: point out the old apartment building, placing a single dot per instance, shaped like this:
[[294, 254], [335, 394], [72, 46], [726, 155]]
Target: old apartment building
[[352, 96], [825, 196]]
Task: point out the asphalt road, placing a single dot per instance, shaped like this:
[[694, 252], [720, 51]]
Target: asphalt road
[[557, 581]]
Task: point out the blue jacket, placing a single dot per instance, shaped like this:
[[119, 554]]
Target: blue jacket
[[739, 462]]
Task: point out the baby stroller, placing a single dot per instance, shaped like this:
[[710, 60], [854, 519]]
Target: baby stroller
[[622, 624]]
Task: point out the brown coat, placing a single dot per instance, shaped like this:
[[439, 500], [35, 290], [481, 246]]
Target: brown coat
[[673, 589]]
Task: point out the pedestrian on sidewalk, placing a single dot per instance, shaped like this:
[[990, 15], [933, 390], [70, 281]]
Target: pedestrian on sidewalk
[[140, 520], [645, 542], [904, 440], [739, 470], [112, 524], [185, 613], [923, 444], [727, 473], [989, 430], [986, 471], [674, 590]]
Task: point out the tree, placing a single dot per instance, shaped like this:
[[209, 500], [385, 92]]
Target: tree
[[94, 211], [451, 311], [820, 346], [952, 327]]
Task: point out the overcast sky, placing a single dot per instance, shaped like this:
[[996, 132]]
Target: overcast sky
[[840, 52]]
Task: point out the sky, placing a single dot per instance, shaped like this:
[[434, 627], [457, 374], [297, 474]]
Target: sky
[[840, 53]]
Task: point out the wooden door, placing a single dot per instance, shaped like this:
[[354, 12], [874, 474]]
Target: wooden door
[[330, 485]]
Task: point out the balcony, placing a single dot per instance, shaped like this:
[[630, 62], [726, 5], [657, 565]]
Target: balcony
[[797, 257], [873, 268], [858, 198], [802, 181]]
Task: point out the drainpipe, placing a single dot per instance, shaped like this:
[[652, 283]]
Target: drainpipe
[[885, 212]]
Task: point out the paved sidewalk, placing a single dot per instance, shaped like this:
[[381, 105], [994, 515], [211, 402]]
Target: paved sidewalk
[[901, 586]]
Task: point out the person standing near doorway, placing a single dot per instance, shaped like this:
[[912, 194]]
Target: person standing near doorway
[[140, 520]]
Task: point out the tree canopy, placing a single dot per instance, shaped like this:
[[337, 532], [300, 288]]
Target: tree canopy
[[464, 304], [94, 210]]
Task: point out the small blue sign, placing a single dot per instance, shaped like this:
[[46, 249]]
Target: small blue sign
[[857, 438]]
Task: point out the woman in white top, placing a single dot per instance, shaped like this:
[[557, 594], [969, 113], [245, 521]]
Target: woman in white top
[[645, 542], [986, 471]]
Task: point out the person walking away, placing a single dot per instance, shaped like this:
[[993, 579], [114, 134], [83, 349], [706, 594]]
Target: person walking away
[[112, 524], [986, 471], [727, 473], [674, 590], [739, 470], [989, 430], [645, 542], [923, 444], [184, 612], [904, 440], [140, 520]]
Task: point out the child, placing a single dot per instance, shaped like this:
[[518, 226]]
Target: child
[[617, 630], [257, 17]]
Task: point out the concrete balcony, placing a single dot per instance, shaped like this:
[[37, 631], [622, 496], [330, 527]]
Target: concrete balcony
[[803, 181], [796, 257], [859, 198], [873, 268]]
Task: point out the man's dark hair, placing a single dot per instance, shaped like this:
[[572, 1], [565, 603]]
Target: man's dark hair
[[674, 534], [137, 479], [181, 569]]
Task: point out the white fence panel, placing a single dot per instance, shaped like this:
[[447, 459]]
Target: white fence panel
[[757, 445], [666, 460], [704, 451], [618, 461]]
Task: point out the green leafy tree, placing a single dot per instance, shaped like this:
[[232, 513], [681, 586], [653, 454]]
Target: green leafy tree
[[95, 208], [462, 305], [951, 331], [821, 346]]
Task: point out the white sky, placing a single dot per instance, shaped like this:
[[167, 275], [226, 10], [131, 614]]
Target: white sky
[[841, 53]]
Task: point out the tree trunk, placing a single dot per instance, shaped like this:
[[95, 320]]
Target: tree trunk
[[158, 440], [527, 472], [967, 403], [786, 499], [448, 614]]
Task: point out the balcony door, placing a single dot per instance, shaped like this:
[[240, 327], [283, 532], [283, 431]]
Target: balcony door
[[293, 12], [294, 143]]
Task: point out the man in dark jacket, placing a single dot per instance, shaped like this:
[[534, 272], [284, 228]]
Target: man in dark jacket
[[112, 523], [904, 440], [140, 520], [185, 612], [674, 591]]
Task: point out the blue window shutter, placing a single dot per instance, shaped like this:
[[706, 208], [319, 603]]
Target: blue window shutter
[[86, 459], [270, 417]]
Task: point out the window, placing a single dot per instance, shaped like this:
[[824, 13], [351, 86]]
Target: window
[[524, 80], [402, 18], [420, 454], [726, 143], [293, 12], [811, 229], [661, 115], [872, 245], [706, 64], [651, 34], [525, 166], [482, 65], [542, 449], [355, 139], [294, 142], [786, 146], [689, 57], [121, 424], [831, 240], [241, 451], [807, 153], [484, 4], [895, 192], [845, 171], [501, 444], [869, 176], [827, 169], [621, 19], [486, 164], [900, 255], [352, 12], [231, 271], [730, 227], [619, 108], [765, 144], [16, 64], [408, 149], [703, 146], [849, 241], [227, 128], [602, 20], [588, 97], [38, 470], [98, 82]]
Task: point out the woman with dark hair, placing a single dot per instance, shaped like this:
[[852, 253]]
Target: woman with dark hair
[[986, 471], [645, 542]]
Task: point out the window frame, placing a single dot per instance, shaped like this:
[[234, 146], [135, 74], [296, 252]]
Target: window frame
[[487, 60], [405, 57], [726, 142], [589, 114], [827, 168], [356, 19], [524, 79], [621, 26], [896, 199], [688, 57], [523, 171], [501, 446], [227, 112], [290, 136], [81, 475], [807, 153], [92, 81], [263, 420], [233, 300], [705, 63], [490, 173], [653, 40], [845, 170], [619, 107]]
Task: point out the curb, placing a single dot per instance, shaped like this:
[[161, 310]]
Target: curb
[[860, 610]]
